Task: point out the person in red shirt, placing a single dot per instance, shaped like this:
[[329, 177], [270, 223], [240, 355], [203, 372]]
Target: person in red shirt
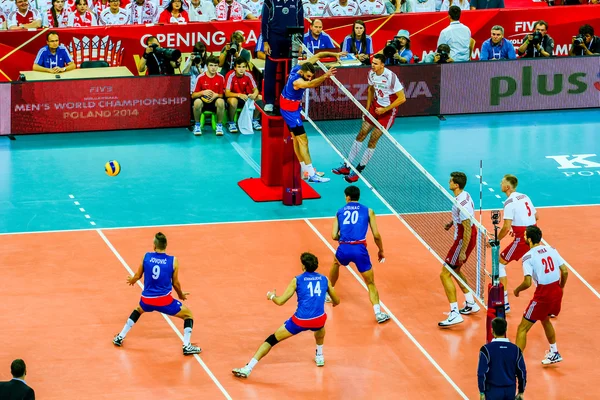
[[239, 87], [173, 14], [24, 17], [208, 95]]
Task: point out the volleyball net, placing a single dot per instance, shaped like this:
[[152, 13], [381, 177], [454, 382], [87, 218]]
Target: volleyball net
[[404, 186]]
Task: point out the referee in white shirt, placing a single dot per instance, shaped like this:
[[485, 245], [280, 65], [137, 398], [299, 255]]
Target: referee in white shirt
[[457, 36]]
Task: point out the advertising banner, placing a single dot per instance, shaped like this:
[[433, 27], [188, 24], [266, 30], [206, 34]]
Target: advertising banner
[[5, 95], [100, 104], [526, 84], [18, 48], [421, 88]]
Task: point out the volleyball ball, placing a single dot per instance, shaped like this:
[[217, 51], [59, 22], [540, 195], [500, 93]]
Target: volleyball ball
[[112, 168]]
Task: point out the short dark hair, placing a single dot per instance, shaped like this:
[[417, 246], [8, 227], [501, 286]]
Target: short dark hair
[[150, 38], [212, 60], [353, 192], [379, 57], [541, 22], [499, 326], [240, 61], [586, 30], [443, 47], [310, 261], [51, 33], [160, 241], [460, 178], [17, 368], [308, 67], [454, 12], [512, 180], [534, 234]]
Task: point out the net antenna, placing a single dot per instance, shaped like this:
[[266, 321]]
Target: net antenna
[[480, 189], [478, 282]]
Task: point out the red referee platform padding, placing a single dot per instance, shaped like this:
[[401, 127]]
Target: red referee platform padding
[[280, 178]]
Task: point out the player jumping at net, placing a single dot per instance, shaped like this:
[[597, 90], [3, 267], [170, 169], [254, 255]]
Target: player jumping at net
[[310, 288], [465, 239], [290, 104], [519, 213], [161, 277], [350, 228], [384, 95], [540, 264]]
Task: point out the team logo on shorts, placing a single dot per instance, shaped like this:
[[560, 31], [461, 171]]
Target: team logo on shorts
[[285, 10]]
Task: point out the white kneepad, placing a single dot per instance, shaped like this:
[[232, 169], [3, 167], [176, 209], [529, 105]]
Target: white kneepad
[[502, 269]]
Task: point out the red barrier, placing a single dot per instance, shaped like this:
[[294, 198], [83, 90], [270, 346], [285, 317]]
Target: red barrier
[[100, 104], [563, 23]]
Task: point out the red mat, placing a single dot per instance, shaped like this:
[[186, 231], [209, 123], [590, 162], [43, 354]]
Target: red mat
[[259, 192]]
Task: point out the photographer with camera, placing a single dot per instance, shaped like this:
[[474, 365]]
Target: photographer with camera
[[585, 44], [538, 43], [158, 60], [397, 51], [441, 56], [233, 50], [195, 64]]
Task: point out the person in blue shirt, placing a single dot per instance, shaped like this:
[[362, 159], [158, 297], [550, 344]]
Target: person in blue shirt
[[310, 288], [497, 48], [500, 362], [161, 276], [315, 39], [350, 228], [54, 57]]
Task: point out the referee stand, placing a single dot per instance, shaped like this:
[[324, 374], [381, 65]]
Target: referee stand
[[280, 175]]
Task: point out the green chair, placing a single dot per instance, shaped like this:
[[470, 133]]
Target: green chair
[[213, 118]]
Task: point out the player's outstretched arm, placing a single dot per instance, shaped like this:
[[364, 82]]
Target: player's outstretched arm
[[289, 292], [505, 228], [176, 284], [302, 84], [376, 235], [526, 284], [131, 280], [335, 232], [564, 274], [335, 299], [316, 57]]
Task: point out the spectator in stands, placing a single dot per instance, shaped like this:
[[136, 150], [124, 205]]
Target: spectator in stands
[[531, 47], [315, 8], [54, 57], [2, 21], [231, 10], [463, 4], [588, 44], [441, 56], [315, 39], [252, 7], [496, 47], [208, 95], [82, 16], [156, 65], [259, 50], [424, 5], [342, 8], [17, 387], [359, 43], [202, 11], [457, 36], [486, 4], [239, 87], [98, 6], [24, 17], [57, 16], [232, 51], [372, 7], [174, 14], [195, 64], [142, 12], [114, 14]]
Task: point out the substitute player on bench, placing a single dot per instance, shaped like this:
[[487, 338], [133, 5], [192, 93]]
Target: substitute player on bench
[[311, 289], [519, 213], [546, 267]]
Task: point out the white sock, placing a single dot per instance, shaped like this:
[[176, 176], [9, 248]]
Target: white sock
[[319, 349], [367, 156], [128, 325], [377, 308], [354, 150], [505, 297], [252, 363], [469, 298], [553, 348], [302, 166], [310, 169], [454, 307], [187, 334]]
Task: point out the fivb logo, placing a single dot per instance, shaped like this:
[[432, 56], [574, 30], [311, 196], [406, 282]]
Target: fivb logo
[[577, 161]]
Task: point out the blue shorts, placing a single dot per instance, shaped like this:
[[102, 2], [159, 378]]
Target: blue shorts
[[171, 309], [354, 253], [292, 118], [315, 324]]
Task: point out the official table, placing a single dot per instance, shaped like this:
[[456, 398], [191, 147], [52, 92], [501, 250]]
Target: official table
[[78, 73]]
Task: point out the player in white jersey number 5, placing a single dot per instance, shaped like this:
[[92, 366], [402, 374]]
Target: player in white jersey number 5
[[384, 96], [519, 213], [546, 267]]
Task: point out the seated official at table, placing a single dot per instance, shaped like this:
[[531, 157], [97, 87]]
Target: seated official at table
[[54, 57]]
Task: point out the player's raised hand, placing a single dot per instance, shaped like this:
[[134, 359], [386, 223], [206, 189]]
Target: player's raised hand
[[332, 71], [341, 54]]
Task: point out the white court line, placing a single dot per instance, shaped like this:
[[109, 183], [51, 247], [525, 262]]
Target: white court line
[[393, 317], [196, 356]]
